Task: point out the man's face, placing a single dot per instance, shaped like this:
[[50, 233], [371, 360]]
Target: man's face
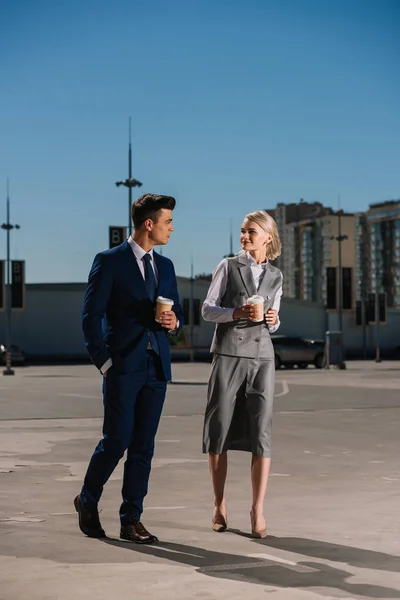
[[161, 230]]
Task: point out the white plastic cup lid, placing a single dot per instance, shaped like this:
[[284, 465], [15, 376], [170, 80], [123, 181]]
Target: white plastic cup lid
[[255, 300], [163, 300]]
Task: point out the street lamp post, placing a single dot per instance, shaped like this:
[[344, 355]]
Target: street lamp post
[[340, 238], [8, 227], [130, 182]]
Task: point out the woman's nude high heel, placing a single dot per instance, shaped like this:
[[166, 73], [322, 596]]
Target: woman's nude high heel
[[219, 523], [256, 533]]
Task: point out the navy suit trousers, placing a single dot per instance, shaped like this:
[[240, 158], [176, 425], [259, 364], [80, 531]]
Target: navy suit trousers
[[133, 404]]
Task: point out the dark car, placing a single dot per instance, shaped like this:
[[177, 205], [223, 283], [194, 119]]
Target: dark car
[[17, 355], [291, 351]]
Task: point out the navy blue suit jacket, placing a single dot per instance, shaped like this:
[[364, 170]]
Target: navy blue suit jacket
[[117, 313]]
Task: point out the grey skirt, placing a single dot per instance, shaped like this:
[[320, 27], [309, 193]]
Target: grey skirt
[[239, 405]]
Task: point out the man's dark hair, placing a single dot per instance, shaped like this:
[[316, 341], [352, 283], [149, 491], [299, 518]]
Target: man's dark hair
[[149, 206]]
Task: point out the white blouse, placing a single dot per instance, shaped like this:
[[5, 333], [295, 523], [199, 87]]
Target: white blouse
[[213, 311]]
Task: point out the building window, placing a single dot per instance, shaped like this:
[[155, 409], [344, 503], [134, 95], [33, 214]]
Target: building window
[[331, 287], [347, 288], [185, 308], [196, 311]]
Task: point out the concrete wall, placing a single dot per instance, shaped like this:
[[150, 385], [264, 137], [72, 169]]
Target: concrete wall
[[50, 327]]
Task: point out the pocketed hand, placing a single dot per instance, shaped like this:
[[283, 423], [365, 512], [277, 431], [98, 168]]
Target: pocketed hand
[[271, 318], [168, 320]]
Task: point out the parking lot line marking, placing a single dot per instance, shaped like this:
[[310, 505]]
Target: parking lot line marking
[[277, 559], [78, 396], [285, 389], [284, 561], [164, 507]]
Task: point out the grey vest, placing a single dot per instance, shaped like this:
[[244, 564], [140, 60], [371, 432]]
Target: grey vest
[[242, 337]]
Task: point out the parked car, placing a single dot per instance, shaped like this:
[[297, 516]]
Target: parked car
[[17, 355], [291, 351]]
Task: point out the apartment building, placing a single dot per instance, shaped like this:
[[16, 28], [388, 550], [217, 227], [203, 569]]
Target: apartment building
[[310, 253], [378, 251]]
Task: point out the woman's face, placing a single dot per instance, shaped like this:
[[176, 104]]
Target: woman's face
[[253, 237]]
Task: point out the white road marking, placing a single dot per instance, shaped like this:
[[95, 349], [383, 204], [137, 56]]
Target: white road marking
[[21, 520], [78, 396], [284, 561], [165, 507], [317, 410], [265, 558], [273, 558], [285, 389]]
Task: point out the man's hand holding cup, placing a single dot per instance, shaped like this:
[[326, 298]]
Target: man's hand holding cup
[[164, 313]]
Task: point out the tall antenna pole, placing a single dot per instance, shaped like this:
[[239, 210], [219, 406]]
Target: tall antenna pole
[[231, 242], [340, 268], [7, 227], [8, 292], [131, 181]]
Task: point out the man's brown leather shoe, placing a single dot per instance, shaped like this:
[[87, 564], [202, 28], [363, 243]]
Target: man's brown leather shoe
[[89, 521], [137, 532]]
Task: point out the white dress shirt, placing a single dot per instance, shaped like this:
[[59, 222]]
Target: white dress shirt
[[139, 254], [212, 309]]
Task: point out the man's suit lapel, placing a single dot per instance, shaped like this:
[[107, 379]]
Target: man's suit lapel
[[133, 272], [162, 274], [246, 275]]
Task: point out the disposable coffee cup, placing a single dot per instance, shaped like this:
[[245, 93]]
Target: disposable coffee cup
[[258, 303], [162, 305]]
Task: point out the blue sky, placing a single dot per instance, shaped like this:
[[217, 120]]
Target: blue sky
[[235, 106]]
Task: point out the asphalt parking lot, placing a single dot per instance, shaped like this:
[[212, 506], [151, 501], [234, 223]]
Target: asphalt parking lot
[[332, 509]]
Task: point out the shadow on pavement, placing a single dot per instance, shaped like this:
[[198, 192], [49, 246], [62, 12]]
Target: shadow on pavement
[[264, 572], [357, 557]]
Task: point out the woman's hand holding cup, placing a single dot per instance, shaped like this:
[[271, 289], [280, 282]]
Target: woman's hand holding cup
[[244, 312], [247, 311]]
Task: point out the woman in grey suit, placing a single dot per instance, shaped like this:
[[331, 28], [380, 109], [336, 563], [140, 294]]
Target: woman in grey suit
[[241, 387]]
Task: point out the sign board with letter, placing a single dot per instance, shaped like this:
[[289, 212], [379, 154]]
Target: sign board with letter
[[18, 285], [117, 235]]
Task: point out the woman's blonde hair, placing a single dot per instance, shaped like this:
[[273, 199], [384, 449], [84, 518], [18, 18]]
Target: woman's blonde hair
[[267, 223]]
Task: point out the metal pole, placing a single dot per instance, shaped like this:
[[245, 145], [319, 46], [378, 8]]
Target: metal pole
[[8, 370], [130, 182], [191, 310], [378, 350], [364, 325], [130, 177], [340, 239], [340, 275]]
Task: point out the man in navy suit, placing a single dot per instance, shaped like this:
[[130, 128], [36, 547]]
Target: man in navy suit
[[131, 350]]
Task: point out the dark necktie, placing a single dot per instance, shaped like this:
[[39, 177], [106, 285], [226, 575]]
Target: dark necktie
[[151, 286], [149, 277]]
